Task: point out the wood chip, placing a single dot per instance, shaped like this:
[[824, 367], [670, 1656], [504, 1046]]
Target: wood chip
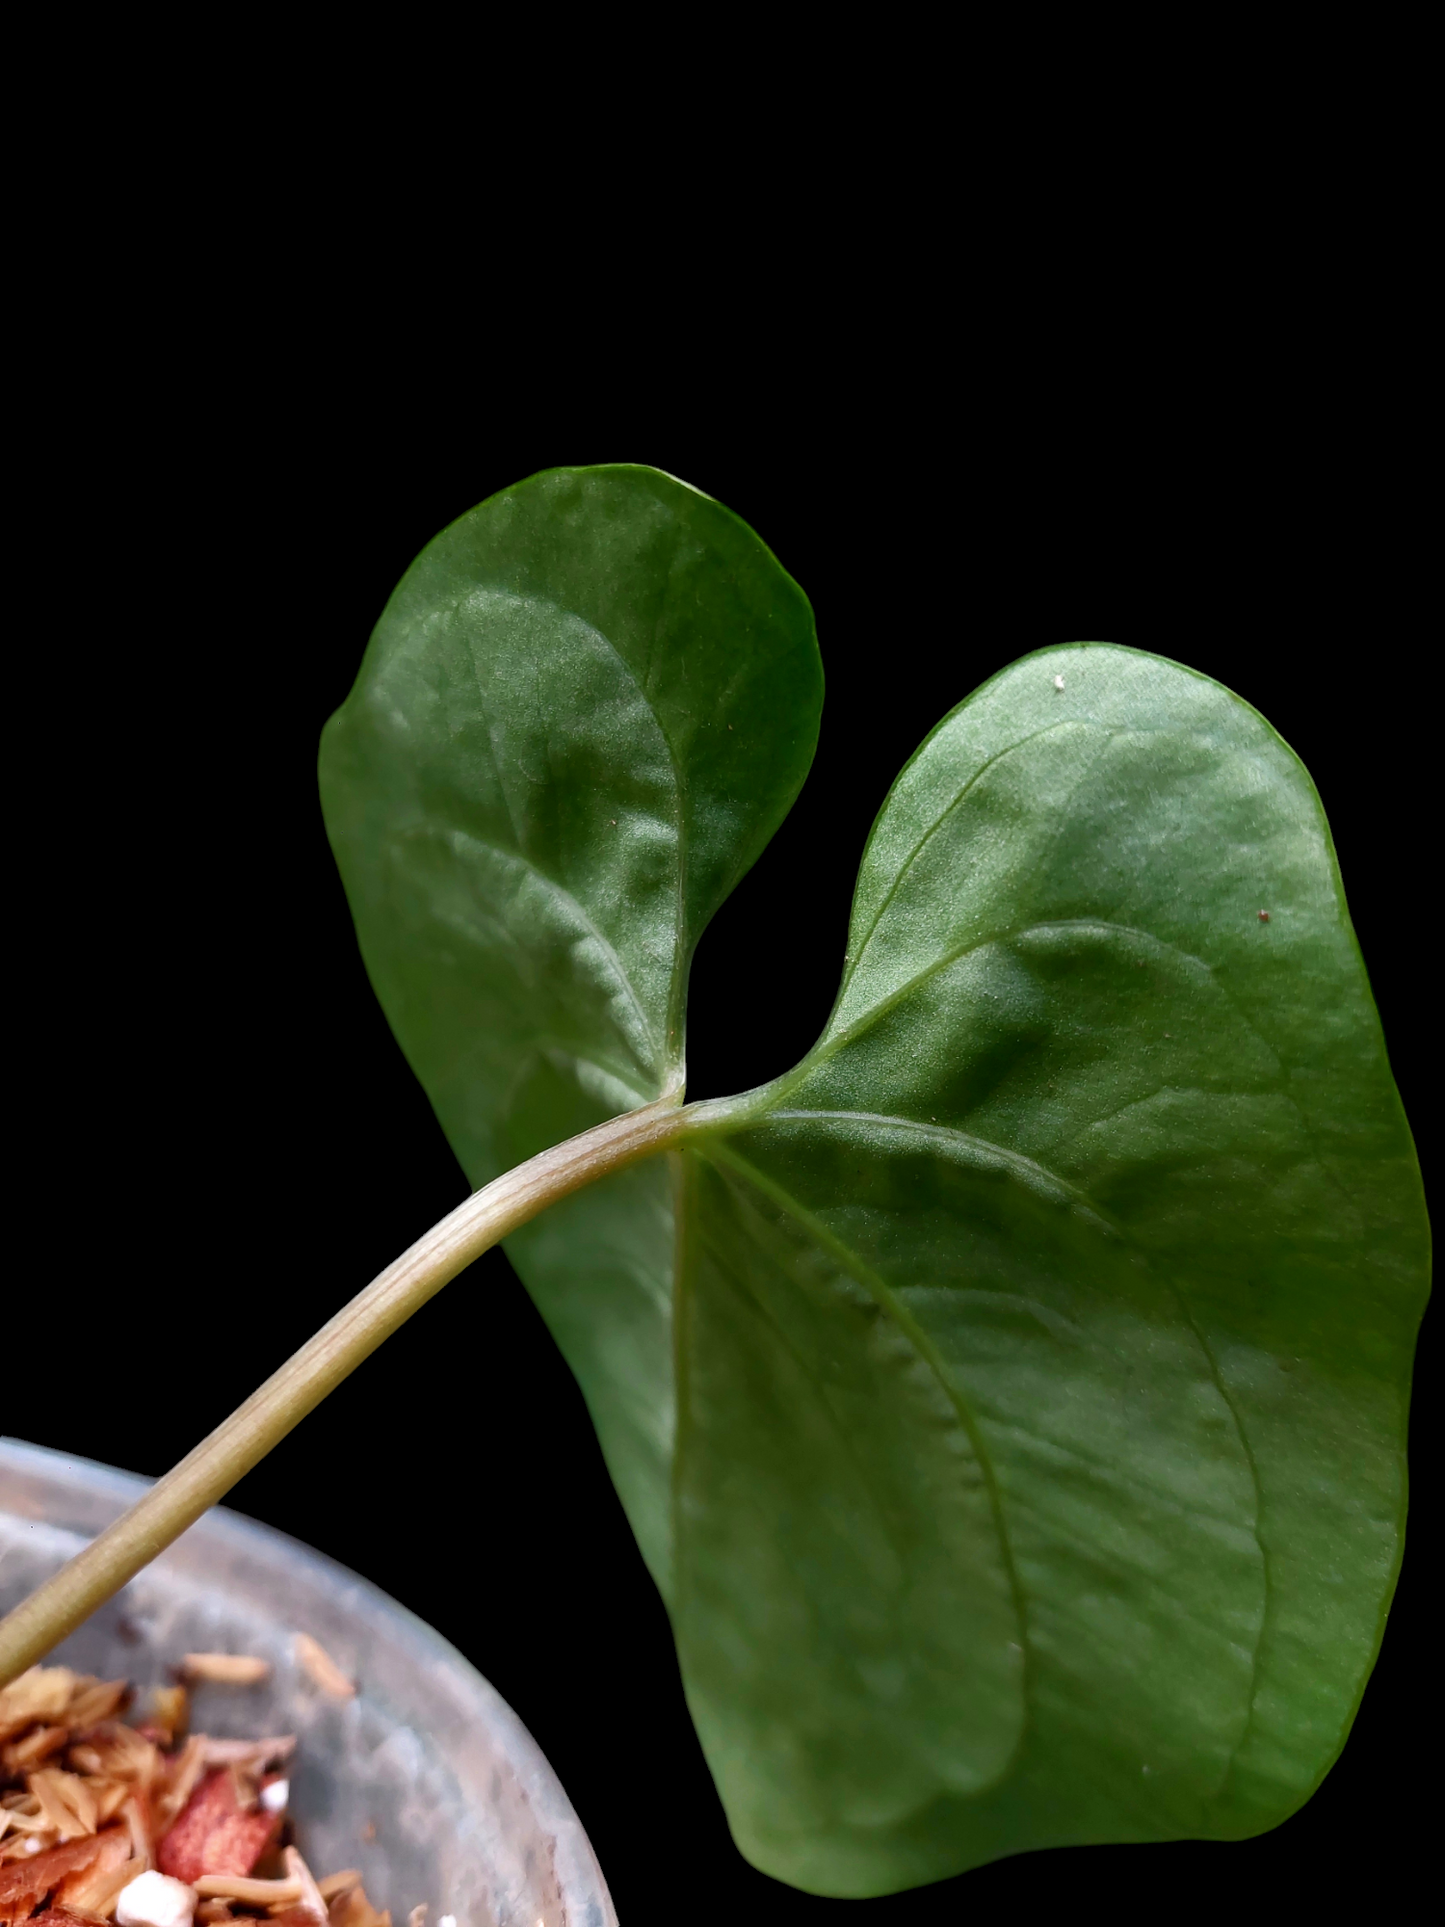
[[243, 1789], [136, 1814], [248, 1753], [310, 1898], [120, 1753], [353, 1909], [24, 1846], [41, 1694], [251, 1893], [37, 1746], [171, 1711], [322, 1668], [213, 1835], [181, 1780], [110, 1797], [93, 1889], [25, 1883], [22, 1815], [22, 1850], [93, 1700], [229, 1669], [65, 1800]]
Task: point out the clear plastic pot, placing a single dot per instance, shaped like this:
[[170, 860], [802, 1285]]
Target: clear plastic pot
[[426, 1781]]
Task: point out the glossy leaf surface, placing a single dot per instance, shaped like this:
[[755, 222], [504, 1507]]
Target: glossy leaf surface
[[585, 709], [1010, 1400], [1124, 1164]]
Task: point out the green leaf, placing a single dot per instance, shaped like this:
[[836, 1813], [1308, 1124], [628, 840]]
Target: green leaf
[[584, 711], [1117, 1168], [1009, 1400]]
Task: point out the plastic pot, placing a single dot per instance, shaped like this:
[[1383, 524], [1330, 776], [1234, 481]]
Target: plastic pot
[[426, 1780]]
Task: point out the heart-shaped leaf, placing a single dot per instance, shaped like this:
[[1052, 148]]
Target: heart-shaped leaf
[[1010, 1399], [583, 713], [1101, 1147]]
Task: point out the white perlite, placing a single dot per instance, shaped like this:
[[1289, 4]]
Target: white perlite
[[155, 1900]]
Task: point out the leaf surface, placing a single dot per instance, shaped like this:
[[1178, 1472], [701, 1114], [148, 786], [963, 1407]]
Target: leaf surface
[[1010, 1399], [1125, 1162], [585, 709]]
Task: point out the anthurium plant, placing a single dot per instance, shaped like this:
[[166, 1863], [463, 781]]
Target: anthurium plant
[[1008, 1399]]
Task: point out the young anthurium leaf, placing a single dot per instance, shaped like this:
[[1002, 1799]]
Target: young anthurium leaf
[[583, 713], [1100, 1145], [1010, 1399]]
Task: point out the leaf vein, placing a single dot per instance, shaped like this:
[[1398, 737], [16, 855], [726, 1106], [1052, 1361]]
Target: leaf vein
[[560, 891], [932, 830], [884, 1296], [828, 1047], [1033, 1170]]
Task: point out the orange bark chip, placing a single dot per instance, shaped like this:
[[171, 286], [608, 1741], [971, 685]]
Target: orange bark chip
[[25, 1883], [214, 1834], [89, 1888]]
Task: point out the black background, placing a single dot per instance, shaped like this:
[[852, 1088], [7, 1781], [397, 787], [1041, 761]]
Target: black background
[[223, 1142]]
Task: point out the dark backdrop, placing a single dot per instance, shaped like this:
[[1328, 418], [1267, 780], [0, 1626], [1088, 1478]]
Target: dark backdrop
[[223, 1142]]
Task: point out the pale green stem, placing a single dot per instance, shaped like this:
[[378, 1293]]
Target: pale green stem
[[207, 1473]]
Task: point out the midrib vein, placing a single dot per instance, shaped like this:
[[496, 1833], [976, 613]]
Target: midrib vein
[[882, 1294], [932, 830]]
